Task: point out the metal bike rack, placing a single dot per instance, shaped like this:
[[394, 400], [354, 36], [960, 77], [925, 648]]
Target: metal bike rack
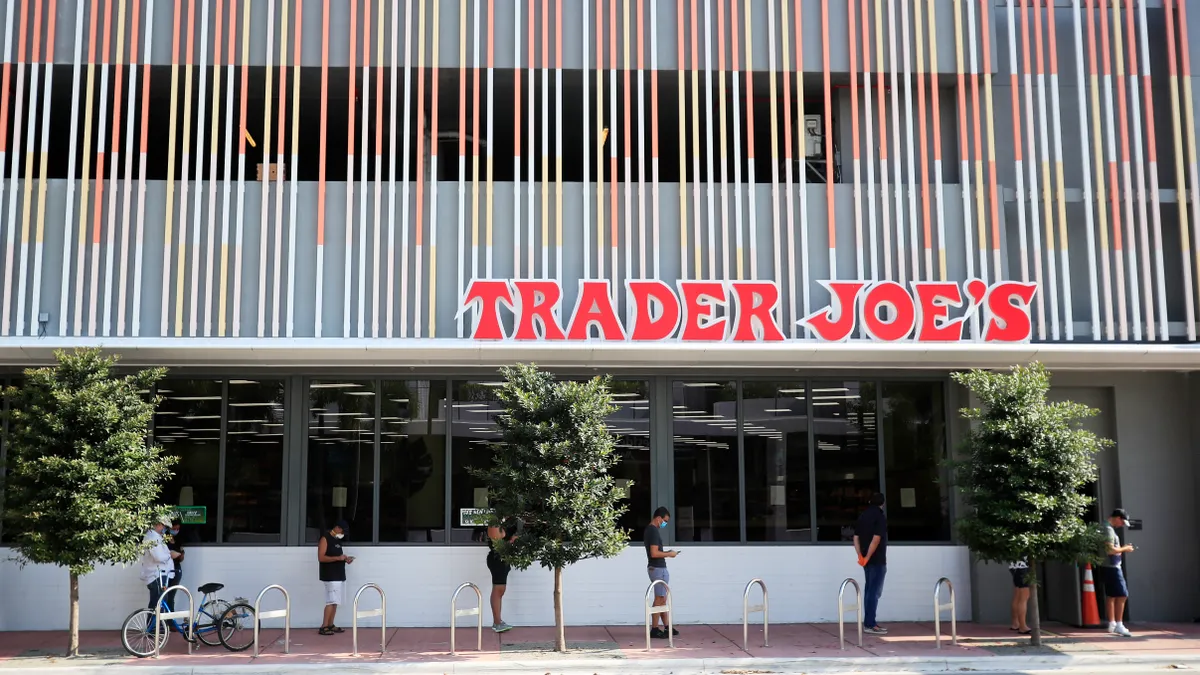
[[286, 613], [938, 607], [455, 612], [843, 608], [381, 613], [661, 609], [747, 611], [159, 615]]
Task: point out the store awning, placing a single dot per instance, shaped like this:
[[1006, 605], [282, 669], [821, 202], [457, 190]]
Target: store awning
[[395, 353]]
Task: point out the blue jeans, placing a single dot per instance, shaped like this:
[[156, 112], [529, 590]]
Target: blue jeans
[[156, 588], [872, 591]]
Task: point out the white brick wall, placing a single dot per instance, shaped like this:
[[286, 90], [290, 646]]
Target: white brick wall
[[706, 584]]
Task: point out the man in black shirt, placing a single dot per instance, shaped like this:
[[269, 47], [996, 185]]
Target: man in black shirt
[[870, 542], [331, 564], [656, 567]]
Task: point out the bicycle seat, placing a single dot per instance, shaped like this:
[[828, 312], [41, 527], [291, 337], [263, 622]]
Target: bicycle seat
[[211, 588]]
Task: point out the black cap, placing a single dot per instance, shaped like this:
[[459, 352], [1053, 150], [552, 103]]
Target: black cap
[[1122, 514], [877, 499], [343, 525]]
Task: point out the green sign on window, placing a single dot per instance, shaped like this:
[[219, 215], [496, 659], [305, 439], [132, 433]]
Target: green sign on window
[[191, 515]]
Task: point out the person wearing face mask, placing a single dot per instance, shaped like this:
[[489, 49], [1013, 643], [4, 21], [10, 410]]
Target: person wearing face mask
[[656, 567], [332, 569], [870, 542], [175, 546], [157, 567]]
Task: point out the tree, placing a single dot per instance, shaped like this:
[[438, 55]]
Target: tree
[[82, 478], [1027, 462], [550, 471]]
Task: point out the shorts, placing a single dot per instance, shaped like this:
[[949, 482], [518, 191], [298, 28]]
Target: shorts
[[1020, 577], [1113, 579], [659, 574], [498, 568], [333, 592]]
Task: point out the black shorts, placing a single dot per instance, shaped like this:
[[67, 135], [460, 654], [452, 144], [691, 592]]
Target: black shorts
[[1113, 579], [498, 568], [1020, 578]]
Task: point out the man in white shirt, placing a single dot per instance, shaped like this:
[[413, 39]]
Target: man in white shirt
[[158, 565]]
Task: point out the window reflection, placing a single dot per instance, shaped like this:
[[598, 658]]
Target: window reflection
[[253, 509], [187, 425], [412, 462], [704, 428], [473, 430], [847, 454], [914, 442], [775, 443], [341, 458], [631, 426]]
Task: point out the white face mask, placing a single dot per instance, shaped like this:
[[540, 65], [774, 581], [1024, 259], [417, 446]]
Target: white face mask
[[338, 536]]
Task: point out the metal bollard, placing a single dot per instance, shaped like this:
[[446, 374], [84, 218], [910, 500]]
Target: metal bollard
[[747, 611], [937, 612], [455, 612], [651, 610], [286, 613], [159, 615], [856, 608], [381, 613]]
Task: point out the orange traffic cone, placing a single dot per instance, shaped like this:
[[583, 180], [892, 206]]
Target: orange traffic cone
[[1091, 613]]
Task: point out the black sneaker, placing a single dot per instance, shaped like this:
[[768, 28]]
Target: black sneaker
[[658, 633], [674, 632]]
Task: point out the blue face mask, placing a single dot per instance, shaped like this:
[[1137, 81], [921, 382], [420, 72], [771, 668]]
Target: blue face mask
[[174, 532], [663, 525]]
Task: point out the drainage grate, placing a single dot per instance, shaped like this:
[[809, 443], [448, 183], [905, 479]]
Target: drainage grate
[[598, 649], [92, 653]]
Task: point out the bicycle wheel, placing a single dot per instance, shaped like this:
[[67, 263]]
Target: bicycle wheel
[[237, 627], [137, 634], [207, 620]]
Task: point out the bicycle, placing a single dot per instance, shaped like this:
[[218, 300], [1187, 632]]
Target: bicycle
[[138, 633]]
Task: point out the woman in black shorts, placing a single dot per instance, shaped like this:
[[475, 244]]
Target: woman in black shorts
[[1020, 597], [499, 570]]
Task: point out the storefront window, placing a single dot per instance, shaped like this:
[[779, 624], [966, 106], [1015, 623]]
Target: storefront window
[[631, 425], [187, 425], [775, 443], [412, 462], [704, 428], [341, 458], [253, 509], [847, 454], [914, 444], [473, 429]]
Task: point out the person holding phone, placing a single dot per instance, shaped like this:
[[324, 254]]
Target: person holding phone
[[656, 567], [1115, 590], [331, 563]]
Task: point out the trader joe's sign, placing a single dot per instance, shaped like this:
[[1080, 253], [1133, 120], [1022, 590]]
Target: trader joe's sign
[[190, 515], [747, 311]]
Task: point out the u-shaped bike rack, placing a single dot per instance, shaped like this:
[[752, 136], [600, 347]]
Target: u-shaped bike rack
[[159, 615], [286, 613], [938, 607], [651, 610], [455, 612], [843, 608], [381, 613], [747, 610]]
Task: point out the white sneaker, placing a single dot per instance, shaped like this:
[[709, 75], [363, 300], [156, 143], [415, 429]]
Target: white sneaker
[[1123, 631], [1112, 628]]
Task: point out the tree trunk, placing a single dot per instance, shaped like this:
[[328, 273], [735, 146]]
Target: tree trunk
[[560, 634], [73, 620], [1035, 620]]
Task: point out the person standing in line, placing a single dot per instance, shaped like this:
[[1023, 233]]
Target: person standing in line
[[870, 543], [499, 570], [157, 566], [175, 546], [332, 563], [1020, 597], [656, 567], [1113, 576]]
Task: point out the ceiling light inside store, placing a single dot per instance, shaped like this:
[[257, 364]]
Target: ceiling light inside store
[[243, 382], [333, 385]]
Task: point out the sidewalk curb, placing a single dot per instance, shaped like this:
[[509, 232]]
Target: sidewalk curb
[[1108, 662]]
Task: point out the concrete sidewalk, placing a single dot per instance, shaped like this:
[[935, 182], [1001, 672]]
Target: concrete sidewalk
[[909, 647]]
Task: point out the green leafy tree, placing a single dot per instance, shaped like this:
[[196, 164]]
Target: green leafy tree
[[1027, 462], [82, 478], [551, 471]]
